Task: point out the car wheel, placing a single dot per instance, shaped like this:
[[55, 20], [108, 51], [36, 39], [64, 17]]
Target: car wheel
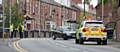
[[104, 42], [65, 37], [54, 38], [81, 41], [77, 41], [99, 42]]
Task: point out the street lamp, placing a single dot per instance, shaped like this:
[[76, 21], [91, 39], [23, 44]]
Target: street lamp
[[102, 10], [84, 7]]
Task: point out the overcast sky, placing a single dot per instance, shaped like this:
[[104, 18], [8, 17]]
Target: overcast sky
[[0, 1], [94, 3]]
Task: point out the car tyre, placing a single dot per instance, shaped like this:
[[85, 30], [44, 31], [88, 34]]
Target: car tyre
[[81, 41], [104, 42], [77, 41], [65, 37], [54, 38], [99, 42]]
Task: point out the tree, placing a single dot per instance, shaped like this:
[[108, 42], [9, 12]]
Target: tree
[[16, 14], [104, 1], [17, 17]]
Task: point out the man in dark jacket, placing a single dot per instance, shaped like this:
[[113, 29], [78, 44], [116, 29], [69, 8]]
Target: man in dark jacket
[[20, 29]]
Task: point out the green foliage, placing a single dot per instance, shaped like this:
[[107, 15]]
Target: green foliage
[[15, 15], [104, 1], [0, 24], [6, 14]]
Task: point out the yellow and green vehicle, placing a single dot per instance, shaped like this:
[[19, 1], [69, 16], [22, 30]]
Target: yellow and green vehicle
[[91, 30]]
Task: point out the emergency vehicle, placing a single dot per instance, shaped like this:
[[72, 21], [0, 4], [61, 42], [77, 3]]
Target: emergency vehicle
[[91, 30]]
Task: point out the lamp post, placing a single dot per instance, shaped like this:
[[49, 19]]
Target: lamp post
[[84, 8], [10, 14], [102, 10]]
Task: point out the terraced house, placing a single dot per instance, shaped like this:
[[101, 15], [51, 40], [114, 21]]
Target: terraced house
[[111, 16], [47, 14]]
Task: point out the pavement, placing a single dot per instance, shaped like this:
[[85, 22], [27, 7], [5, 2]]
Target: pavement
[[115, 44], [6, 45]]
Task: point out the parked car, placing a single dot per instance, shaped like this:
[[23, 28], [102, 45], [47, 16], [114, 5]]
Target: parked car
[[92, 31], [64, 32]]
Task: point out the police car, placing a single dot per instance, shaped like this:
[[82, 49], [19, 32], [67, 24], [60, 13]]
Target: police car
[[91, 31]]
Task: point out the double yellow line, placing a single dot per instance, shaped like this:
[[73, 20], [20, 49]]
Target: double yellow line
[[17, 47]]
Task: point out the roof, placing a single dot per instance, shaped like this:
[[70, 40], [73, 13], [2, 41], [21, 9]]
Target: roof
[[52, 2]]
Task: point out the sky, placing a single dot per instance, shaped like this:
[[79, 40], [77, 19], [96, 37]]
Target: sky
[[0, 1], [94, 3]]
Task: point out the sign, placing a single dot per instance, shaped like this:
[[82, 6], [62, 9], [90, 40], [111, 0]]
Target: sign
[[28, 21]]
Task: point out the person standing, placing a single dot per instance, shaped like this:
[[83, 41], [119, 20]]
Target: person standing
[[21, 30], [11, 30]]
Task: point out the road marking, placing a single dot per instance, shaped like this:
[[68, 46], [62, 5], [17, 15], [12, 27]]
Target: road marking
[[85, 51], [61, 45], [17, 47], [74, 48]]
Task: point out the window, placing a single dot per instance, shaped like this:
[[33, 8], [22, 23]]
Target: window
[[97, 24]]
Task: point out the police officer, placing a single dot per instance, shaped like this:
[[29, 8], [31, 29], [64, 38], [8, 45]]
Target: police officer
[[11, 30], [21, 30]]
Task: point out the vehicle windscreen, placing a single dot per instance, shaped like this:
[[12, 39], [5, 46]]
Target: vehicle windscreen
[[96, 24]]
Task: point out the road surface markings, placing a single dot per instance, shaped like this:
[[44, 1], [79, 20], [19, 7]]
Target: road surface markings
[[17, 47], [73, 48]]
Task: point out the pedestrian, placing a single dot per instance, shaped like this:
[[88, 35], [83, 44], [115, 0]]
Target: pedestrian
[[11, 30], [20, 29], [15, 32]]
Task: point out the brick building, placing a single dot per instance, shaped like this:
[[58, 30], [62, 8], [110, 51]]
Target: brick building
[[107, 10], [111, 14], [46, 14], [77, 1]]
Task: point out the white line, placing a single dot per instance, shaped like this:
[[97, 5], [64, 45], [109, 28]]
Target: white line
[[74, 48]]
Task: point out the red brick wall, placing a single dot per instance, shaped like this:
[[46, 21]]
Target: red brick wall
[[107, 10], [76, 1], [40, 19], [118, 31]]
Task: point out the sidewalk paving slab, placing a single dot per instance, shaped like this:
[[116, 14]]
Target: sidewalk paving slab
[[114, 43]]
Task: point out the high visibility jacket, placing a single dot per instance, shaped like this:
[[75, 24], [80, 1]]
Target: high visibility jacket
[[22, 28], [11, 27]]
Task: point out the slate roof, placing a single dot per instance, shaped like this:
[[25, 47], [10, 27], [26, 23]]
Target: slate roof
[[57, 4]]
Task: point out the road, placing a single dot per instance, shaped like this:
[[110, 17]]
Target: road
[[59, 45]]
